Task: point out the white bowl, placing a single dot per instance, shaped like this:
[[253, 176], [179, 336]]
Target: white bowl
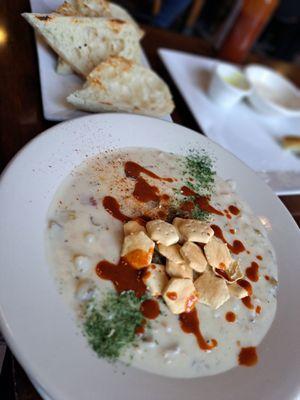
[[272, 93], [228, 85]]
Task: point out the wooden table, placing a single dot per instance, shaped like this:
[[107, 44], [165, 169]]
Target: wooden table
[[21, 117]]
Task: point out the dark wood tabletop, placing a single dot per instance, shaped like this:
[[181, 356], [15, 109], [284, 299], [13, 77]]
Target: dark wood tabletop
[[21, 117]]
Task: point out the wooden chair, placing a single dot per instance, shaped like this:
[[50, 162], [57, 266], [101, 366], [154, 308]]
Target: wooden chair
[[192, 16]]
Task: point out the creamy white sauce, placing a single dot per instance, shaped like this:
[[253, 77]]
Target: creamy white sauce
[[81, 233]]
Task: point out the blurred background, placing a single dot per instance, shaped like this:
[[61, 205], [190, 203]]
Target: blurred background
[[233, 27]]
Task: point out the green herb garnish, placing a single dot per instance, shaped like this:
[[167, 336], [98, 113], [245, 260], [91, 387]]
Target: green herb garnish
[[199, 167], [111, 328], [199, 214]]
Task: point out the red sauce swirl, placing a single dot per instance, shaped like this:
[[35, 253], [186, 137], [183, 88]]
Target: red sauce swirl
[[189, 323], [248, 356], [150, 309], [252, 272], [236, 247]]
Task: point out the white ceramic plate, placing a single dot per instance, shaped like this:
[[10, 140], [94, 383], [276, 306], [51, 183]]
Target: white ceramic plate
[[55, 88], [39, 326], [247, 134]]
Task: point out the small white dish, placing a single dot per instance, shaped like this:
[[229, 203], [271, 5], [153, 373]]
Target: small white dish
[[272, 93], [228, 85]]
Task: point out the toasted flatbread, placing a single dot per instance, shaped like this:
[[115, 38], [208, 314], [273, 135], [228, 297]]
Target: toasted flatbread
[[91, 8], [84, 42], [118, 84], [62, 67]]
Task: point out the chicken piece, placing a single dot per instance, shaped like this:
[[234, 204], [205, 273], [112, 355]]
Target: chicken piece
[[193, 230], [179, 270], [171, 253], [133, 227], [180, 295], [212, 290], [138, 250], [193, 256], [155, 279], [162, 232], [217, 254]]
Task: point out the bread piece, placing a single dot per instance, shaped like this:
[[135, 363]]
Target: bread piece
[[291, 142], [118, 84], [217, 254], [91, 8], [162, 232], [176, 270], [62, 67], [212, 291], [96, 8], [180, 295], [84, 42], [138, 250], [171, 253], [155, 279], [193, 230], [133, 227], [193, 256]]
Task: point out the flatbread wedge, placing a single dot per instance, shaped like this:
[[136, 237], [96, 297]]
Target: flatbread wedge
[[96, 8], [91, 8], [118, 84], [84, 42]]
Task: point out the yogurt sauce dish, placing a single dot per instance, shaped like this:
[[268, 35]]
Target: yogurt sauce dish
[[144, 243], [228, 85], [154, 258]]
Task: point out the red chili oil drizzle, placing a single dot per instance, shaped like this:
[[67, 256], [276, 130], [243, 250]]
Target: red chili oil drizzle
[[234, 210], [187, 206], [230, 316], [247, 286], [267, 278], [113, 207], [232, 231], [258, 309], [201, 201], [189, 323], [172, 295], [252, 272], [227, 214], [223, 273], [143, 191], [140, 330], [236, 247], [259, 257], [134, 170], [247, 302], [150, 309], [123, 276], [248, 356]]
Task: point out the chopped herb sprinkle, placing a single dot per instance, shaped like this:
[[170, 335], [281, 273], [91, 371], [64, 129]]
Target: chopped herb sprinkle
[[111, 328], [199, 167]]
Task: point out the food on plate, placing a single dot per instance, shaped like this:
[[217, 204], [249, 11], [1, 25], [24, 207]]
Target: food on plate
[[84, 42], [99, 40], [165, 266], [91, 8], [118, 84], [291, 142]]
